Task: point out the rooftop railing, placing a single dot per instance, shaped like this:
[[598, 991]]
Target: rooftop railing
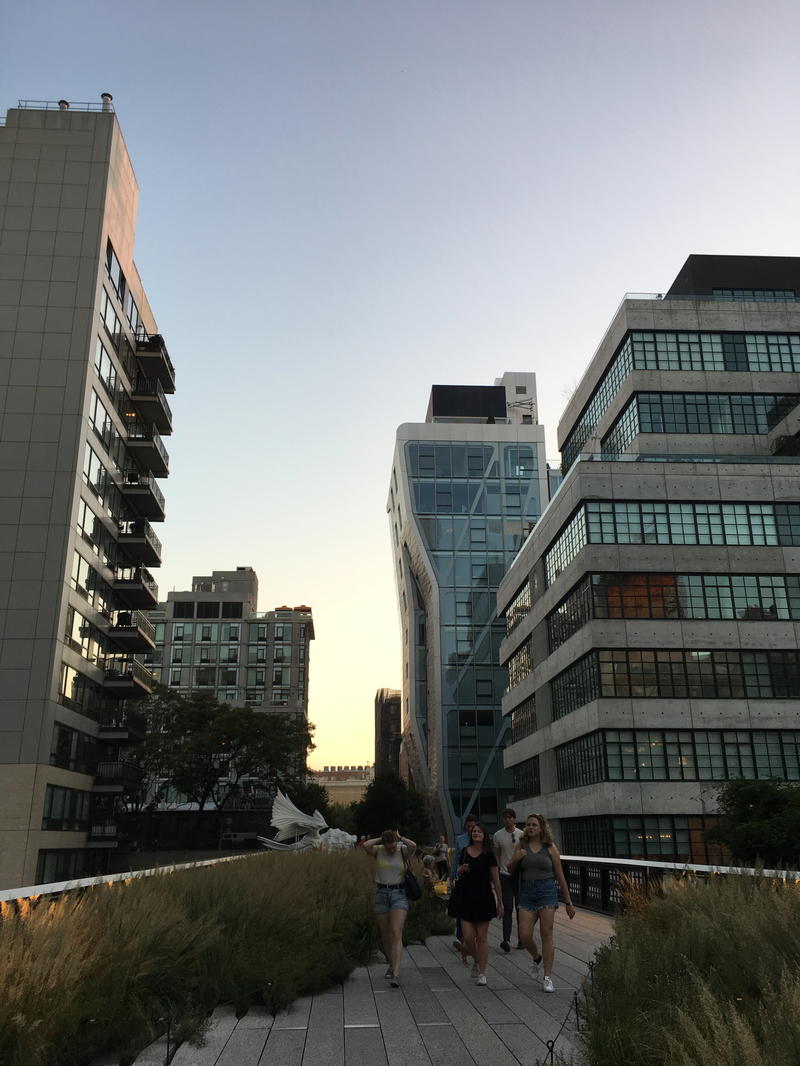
[[58, 105]]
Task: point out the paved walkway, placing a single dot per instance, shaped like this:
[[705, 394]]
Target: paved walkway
[[438, 1017]]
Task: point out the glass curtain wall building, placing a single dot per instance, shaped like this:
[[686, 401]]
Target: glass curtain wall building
[[467, 486], [653, 617]]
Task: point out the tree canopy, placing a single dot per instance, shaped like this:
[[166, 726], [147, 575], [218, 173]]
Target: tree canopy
[[759, 821], [389, 803], [204, 749]]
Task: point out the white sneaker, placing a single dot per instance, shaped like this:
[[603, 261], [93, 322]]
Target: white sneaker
[[480, 979], [388, 973], [475, 972], [547, 985]]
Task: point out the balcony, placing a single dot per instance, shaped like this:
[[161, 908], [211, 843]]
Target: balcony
[[151, 403], [117, 776], [122, 725], [143, 494], [135, 587], [132, 631], [127, 676], [103, 835], [141, 545], [146, 445], [155, 361]]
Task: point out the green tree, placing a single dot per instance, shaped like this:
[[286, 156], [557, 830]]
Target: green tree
[[389, 803], [204, 749], [759, 821]]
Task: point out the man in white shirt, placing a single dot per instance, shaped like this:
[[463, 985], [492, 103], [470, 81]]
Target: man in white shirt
[[505, 841]]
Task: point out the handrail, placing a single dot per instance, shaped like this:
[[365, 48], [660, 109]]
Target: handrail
[[682, 867], [56, 105], [147, 431], [133, 479], [55, 888]]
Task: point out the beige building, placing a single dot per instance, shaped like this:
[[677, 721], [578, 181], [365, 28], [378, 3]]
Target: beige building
[[83, 377], [345, 784]]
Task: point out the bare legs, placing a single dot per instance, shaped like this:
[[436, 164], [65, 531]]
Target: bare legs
[[546, 918], [526, 920], [391, 928], [476, 942]]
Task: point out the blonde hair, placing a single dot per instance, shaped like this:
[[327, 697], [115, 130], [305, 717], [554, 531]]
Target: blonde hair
[[545, 834]]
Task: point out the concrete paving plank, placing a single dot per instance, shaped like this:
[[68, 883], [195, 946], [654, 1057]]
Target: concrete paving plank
[[284, 1047], [256, 1018], [364, 1047], [325, 1036], [523, 1044], [445, 1047], [244, 1047], [359, 999], [154, 1054], [223, 1022], [424, 1006], [476, 1033], [539, 1020], [296, 1017], [422, 955]]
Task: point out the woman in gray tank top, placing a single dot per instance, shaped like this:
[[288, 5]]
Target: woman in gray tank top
[[541, 876]]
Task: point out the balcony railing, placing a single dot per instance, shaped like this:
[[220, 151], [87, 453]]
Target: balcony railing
[[139, 540], [104, 832], [146, 433], [123, 720], [148, 395], [154, 357], [143, 492], [125, 672], [136, 586], [118, 774]]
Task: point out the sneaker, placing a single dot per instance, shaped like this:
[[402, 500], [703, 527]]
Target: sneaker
[[474, 972], [395, 981], [457, 946], [505, 946], [547, 985], [388, 974], [535, 964], [520, 946], [480, 979]]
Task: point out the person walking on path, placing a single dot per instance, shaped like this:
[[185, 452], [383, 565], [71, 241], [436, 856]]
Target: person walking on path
[[505, 842], [440, 851], [541, 876], [477, 899], [391, 850], [461, 842]]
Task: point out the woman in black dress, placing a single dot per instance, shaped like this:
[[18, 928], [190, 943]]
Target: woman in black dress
[[477, 899]]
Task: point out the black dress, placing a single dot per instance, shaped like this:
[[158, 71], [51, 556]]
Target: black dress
[[473, 897]]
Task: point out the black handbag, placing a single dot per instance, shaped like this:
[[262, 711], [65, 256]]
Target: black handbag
[[410, 883], [456, 892]]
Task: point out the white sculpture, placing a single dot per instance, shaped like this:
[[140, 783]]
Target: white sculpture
[[291, 822]]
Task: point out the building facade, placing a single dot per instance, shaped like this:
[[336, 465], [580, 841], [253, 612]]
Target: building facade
[[212, 638], [83, 373], [345, 784], [388, 730], [467, 486], [653, 616]]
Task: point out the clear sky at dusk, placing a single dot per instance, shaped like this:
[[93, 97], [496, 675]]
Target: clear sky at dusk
[[343, 202]]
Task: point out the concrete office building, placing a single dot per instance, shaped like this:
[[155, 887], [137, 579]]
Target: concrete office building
[[653, 615], [467, 485], [388, 730], [83, 377], [344, 784], [212, 638]]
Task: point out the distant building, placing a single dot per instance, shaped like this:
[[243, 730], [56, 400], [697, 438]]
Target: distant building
[[84, 373], [212, 638], [388, 730], [467, 486], [345, 784], [653, 616]]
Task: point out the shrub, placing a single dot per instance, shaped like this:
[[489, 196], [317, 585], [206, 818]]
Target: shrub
[[697, 960], [99, 971]]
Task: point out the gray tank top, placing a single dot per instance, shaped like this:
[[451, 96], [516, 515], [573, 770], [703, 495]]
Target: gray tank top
[[536, 865]]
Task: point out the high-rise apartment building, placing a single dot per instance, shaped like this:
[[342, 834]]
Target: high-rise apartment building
[[653, 617], [212, 638], [83, 377], [467, 486], [388, 730]]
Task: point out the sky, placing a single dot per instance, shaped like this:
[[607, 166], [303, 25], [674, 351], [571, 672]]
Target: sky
[[343, 202]]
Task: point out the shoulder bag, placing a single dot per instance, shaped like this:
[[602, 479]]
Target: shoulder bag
[[410, 883]]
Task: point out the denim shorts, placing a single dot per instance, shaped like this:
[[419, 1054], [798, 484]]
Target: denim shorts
[[390, 899], [535, 895]]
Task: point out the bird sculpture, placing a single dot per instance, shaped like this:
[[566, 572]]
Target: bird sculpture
[[307, 829]]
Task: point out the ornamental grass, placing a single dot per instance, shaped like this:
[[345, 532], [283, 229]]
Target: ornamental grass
[[103, 970], [700, 974]]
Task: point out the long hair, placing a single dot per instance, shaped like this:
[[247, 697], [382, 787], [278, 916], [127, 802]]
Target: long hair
[[487, 843], [546, 836]]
